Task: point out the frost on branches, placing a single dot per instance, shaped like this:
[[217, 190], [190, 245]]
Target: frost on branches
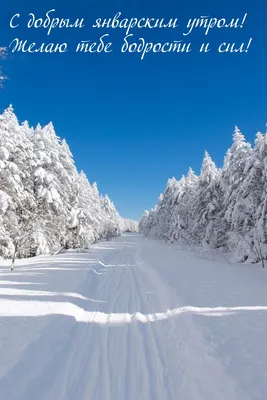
[[222, 209], [2, 55], [128, 225], [45, 204]]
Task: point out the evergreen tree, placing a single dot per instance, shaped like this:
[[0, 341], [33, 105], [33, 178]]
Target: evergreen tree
[[233, 174], [222, 209], [206, 202], [44, 203]]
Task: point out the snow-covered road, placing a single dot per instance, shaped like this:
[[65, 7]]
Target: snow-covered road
[[132, 319]]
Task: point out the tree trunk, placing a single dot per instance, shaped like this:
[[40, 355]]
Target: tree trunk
[[12, 263], [14, 256]]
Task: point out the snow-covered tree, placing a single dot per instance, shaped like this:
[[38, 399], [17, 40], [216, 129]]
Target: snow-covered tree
[[111, 217], [206, 204], [223, 209], [16, 161], [233, 173], [51, 198], [128, 225], [142, 225], [44, 203], [181, 220]]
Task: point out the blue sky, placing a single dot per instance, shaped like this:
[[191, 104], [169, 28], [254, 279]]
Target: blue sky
[[133, 123]]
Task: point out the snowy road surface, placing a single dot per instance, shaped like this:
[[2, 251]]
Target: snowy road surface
[[132, 319]]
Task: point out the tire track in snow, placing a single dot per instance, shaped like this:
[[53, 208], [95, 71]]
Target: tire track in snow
[[137, 375], [153, 334], [193, 353], [131, 347], [95, 359], [155, 378]]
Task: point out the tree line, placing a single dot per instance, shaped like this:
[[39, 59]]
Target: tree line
[[222, 209], [45, 203]]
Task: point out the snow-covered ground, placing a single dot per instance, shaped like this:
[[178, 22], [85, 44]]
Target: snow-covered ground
[[132, 319]]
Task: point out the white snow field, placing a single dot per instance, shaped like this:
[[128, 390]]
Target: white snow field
[[132, 319]]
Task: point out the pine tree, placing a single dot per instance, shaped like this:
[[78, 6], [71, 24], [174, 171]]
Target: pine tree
[[233, 174], [15, 159], [44, 203], [206, 202]]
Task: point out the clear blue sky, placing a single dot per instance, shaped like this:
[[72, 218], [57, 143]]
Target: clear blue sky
[[131, 124]]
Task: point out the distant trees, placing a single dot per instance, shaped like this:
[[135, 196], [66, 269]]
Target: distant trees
[[128, 225], [45, 204], [223, 209]]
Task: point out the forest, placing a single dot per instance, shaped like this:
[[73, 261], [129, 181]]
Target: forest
[[222, 209], [45, 203]]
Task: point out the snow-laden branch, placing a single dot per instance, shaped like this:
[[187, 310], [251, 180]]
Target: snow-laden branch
[[3, 53], [45, 204], [222, 209]]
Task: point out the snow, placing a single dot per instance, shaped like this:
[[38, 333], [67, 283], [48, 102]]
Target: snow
[[223, 208], [41, 190], [4, 154], [132, 319]]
